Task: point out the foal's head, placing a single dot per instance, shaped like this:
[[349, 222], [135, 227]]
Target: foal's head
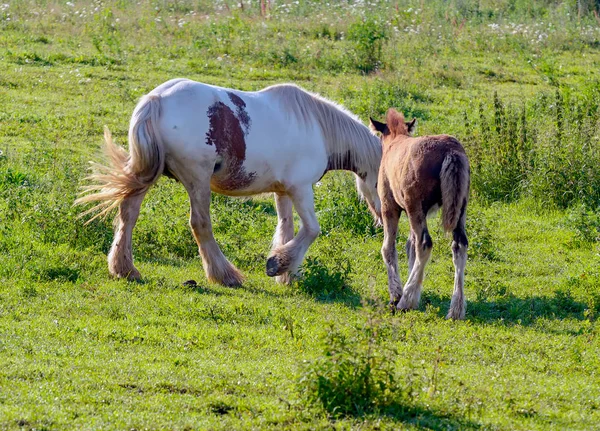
[[395, 126]]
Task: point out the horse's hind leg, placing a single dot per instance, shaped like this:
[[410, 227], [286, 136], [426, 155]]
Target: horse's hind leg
[[285, 229], [216, 266], [422, 245], [120, 257], [390, 212], [458, 304], [288, 257]]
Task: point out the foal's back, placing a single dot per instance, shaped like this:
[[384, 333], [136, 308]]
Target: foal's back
[[413, 166]]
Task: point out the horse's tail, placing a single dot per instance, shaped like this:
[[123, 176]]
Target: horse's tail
[[455, 180], [130, 173]]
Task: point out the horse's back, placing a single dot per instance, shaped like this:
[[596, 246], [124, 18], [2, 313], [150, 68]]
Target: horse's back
[[238, 131]]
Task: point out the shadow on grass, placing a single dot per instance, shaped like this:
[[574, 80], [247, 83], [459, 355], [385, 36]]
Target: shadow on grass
[[510, 309], [245, 204], [345, 296], [175, 262], [327, 283], [428, 419]]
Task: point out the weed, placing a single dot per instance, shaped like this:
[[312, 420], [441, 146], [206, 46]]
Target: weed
[[355, 373], [369, 34], [483, 243], [318, 279], [586, 225]]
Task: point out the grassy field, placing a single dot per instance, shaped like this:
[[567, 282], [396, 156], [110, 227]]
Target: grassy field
[[518, 82]]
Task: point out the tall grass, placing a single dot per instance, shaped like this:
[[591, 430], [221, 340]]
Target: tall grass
[[547, 148]]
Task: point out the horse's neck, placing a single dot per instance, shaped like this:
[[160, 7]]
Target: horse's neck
[[362, 157]]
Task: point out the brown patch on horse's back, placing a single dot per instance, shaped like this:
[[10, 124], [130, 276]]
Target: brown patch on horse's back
[[241, 112], [226, 134]]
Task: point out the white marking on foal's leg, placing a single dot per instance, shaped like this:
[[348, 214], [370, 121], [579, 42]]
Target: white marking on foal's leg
[[285, 229], [288, 257], [410, 254], [458, 304], [390, 254], [120, 257], [411, 294]]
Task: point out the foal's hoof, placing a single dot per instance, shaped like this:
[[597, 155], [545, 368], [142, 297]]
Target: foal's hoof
[[134, 275], [456, 315], [392, 305], [131, 275]]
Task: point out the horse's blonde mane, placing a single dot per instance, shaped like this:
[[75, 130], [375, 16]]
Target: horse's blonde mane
[[345, 135]]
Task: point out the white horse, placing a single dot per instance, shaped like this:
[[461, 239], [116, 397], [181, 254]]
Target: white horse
[[281, 139]]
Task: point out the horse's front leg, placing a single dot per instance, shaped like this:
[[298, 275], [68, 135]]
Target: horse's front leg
[[288, 257], [285, 229], [120, 257], [216, 266]]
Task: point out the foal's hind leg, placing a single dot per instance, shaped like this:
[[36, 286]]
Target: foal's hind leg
[[216, 266], [458, 305], [288, 257], [120, 257], [410, 253], [390, 215], [285, 229], [423, 244]]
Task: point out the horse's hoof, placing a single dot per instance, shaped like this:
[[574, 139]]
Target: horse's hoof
[[455, 315], [407, 303], [393, 305], [272, 266], [190, 283], [285, 278]]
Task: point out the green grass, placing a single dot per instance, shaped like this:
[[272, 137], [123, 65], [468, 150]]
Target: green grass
[[79, 350]]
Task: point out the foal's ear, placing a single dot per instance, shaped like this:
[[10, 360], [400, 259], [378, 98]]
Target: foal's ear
[[377, 126], [410, 126]]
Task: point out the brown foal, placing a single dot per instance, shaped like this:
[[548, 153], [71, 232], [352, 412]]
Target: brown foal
[[418, 176]]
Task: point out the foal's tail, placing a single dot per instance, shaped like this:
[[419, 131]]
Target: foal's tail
[[455, 180], [129, 173]]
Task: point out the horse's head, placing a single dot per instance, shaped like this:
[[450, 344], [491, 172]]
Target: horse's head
[[367, 188]]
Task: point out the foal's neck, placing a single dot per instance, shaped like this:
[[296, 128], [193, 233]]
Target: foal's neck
[[398, 140]]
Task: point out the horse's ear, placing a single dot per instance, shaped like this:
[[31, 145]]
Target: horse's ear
[[377, 126], [410, 126]]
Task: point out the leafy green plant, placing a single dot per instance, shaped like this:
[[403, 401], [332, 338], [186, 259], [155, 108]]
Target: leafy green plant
[[483, 242], [585, 223], [320, 279], [368, 34], [355, 373]]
